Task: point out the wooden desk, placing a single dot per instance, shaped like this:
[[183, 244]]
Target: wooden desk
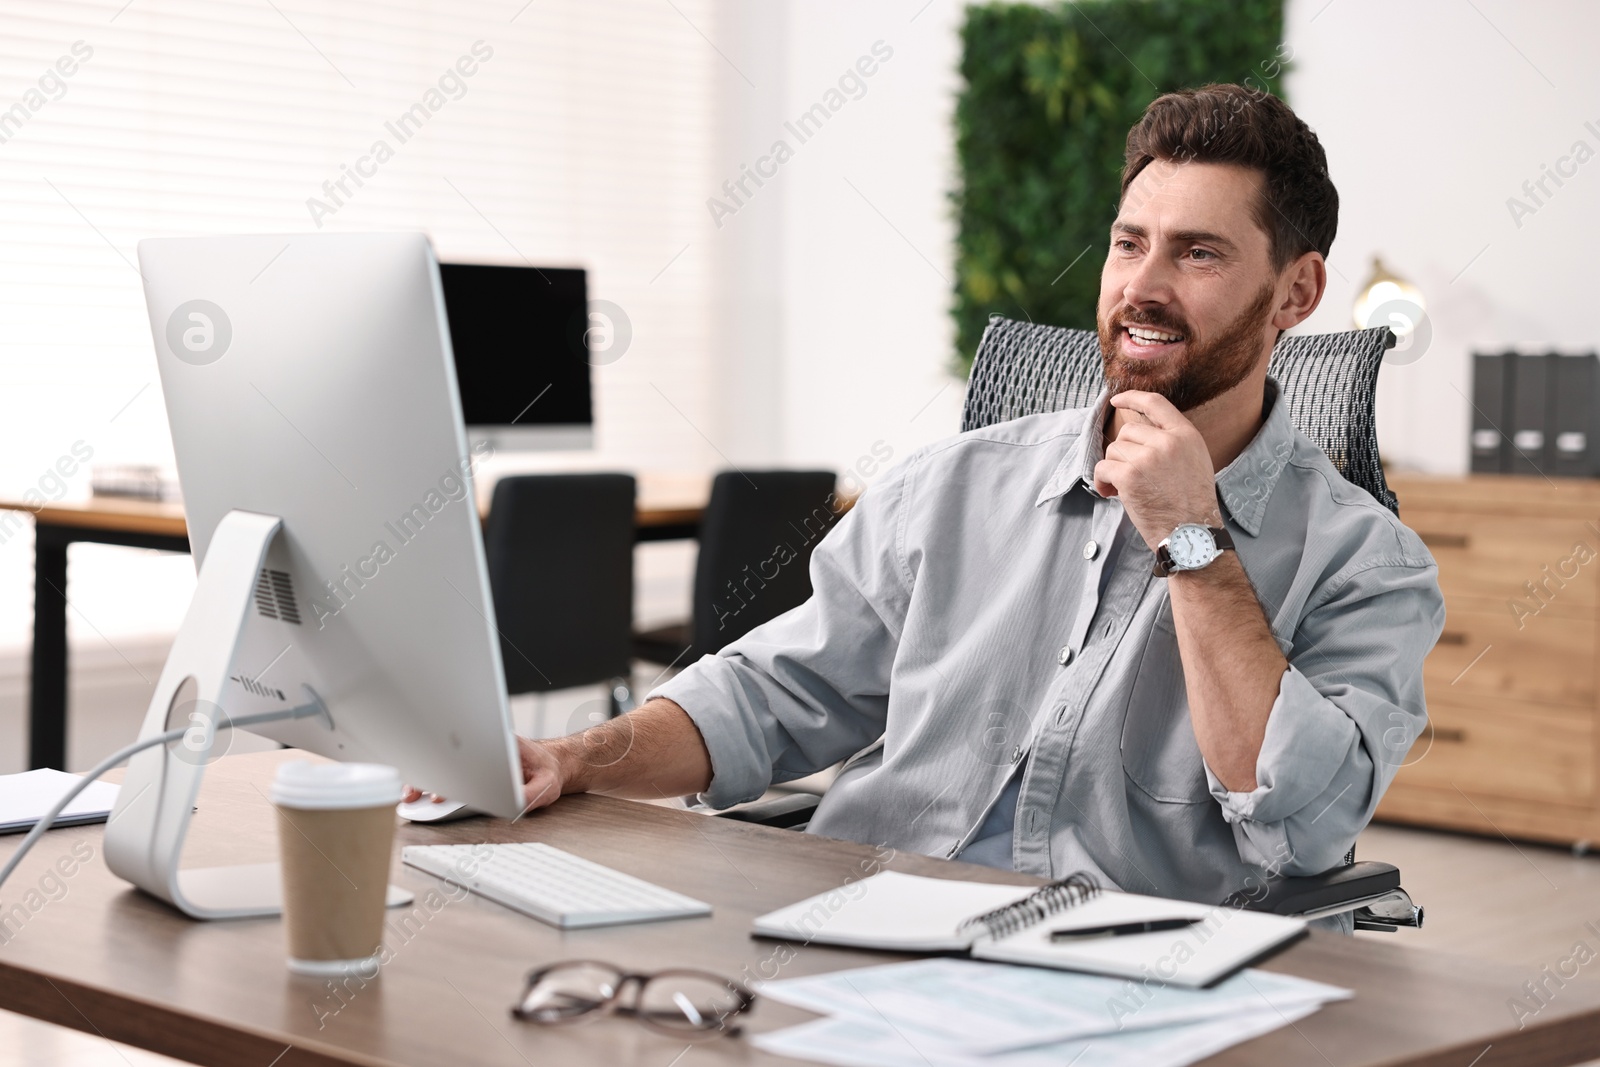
[[669, 509], [105, 959]]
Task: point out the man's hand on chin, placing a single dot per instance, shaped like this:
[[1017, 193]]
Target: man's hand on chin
[[1159, 467], [542, 775]]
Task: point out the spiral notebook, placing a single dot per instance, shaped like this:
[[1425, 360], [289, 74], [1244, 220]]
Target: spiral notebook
[[1012, 924]]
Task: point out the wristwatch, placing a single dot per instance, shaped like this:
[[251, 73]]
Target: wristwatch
[[1190, 547]]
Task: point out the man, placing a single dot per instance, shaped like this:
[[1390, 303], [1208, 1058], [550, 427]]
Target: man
[[989, 642]]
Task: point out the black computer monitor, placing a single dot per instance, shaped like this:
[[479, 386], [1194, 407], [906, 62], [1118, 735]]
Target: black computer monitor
[[521, 354]]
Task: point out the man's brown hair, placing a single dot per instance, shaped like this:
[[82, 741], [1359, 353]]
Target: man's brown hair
[[1298, 208]]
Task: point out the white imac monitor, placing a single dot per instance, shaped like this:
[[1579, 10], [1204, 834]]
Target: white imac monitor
[[326, 474], [521, 337]]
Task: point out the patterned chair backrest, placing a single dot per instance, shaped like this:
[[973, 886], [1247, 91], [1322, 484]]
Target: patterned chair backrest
[[1327, 379]]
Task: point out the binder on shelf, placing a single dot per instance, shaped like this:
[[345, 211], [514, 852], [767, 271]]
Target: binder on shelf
[[1490, 445], [1531, 447], [1574, 421]]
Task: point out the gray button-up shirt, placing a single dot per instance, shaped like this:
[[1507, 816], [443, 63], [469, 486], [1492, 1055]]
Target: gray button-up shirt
[[962, 624]]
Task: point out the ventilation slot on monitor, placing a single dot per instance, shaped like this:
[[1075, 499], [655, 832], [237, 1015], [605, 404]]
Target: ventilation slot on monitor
[[285, 590], [275, 596]]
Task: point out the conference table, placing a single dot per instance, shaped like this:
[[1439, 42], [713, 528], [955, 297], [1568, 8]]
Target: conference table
[[100, 957], [669, 508]]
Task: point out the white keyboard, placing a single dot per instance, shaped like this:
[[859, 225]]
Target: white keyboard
[[551, 885]]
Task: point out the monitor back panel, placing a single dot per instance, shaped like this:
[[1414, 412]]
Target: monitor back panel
[[310, 377]]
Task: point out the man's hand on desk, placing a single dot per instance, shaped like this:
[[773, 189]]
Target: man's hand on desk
[[651, 753], [542, 777], [541, 774]]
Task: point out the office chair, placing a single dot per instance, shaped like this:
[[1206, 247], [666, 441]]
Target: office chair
[[560, 555], [756, 538], [1328, 381]]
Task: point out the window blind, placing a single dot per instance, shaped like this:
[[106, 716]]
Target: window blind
[[566, 133]]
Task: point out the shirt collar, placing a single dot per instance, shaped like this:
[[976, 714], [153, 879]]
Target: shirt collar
[[1243, 486], [1086, 450]]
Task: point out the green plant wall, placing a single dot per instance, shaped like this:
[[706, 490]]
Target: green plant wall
[[1050, 93]]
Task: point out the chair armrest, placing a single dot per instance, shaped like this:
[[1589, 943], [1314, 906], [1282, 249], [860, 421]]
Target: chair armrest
[[1351, 884], [786, 813]]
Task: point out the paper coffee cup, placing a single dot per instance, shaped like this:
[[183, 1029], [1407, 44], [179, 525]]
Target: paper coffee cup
[[335, 837]]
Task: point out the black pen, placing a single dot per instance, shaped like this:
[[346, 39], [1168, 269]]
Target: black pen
[[1148, 926]]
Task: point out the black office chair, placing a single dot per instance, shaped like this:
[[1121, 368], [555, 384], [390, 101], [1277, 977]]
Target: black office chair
[[1328, 382], [560, 554], [756, 538]]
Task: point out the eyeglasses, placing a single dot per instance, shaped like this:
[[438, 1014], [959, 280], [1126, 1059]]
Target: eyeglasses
[[681, 1002]]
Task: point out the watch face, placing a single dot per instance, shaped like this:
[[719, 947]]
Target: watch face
[[1191, 546]]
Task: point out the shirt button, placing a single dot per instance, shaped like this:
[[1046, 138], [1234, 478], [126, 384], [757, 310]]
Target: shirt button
[[1091, 549], [1064, 657], [1016, 753]]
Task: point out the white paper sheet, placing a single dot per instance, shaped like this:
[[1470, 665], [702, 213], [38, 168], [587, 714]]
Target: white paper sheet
[[851, 1041], [27, 797], [975, 1007]]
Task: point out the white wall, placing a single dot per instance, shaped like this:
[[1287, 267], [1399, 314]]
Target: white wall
[[848, 250], [1433, 113], [746, 355], [870, 258]]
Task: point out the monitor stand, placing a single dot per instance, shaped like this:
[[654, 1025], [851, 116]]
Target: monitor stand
[[145, 834]]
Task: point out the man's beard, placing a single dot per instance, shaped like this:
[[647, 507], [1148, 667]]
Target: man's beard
[[1206, 371]]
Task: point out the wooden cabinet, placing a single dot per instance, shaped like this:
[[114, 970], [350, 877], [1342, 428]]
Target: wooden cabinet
[[1511, 685]]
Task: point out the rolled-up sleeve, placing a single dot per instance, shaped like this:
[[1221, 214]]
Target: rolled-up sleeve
[[810, 687], [1347, 711]]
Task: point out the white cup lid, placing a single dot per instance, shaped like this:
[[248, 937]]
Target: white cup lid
[[323, 786]]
